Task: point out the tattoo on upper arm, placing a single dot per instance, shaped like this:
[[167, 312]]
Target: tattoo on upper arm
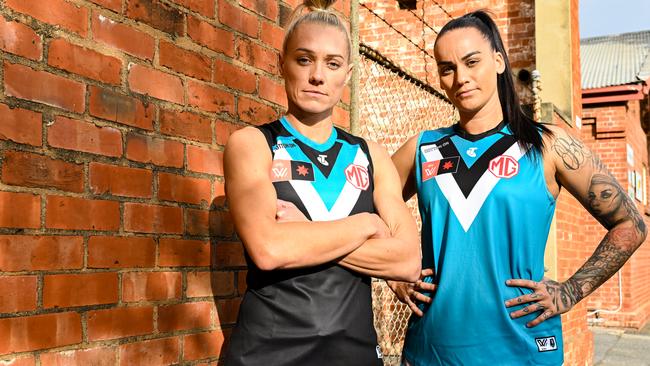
[[609, 203], [575, 154]]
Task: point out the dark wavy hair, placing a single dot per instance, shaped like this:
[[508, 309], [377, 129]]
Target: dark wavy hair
[[525, 130]]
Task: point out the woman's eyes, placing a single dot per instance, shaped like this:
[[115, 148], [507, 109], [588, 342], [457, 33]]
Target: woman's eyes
[[303, 61], [472, 62], [333, 65]]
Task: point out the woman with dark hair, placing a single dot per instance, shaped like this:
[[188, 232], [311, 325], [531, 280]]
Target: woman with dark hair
[[318, 210], [487, 188]]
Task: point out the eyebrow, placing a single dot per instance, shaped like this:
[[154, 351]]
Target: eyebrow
[[446, 63], [312, 52]]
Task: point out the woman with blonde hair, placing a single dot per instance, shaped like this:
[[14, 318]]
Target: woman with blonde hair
[[318, 210]]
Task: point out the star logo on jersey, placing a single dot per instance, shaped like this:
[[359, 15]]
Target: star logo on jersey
[[471, 152], [321, 159], [302, 170]]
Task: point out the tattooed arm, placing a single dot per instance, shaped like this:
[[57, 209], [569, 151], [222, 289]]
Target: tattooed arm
[[580, 171]]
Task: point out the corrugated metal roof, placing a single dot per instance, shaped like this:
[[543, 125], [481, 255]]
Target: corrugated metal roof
[[615, 60]]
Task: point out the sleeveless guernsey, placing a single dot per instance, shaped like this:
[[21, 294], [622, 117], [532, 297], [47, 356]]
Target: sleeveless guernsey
[[319, 315], [486, 213]]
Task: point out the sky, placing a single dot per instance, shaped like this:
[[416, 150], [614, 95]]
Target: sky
[[605, 17]]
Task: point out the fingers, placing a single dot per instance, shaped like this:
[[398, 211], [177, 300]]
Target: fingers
[[526, 310], [414, 308], [523, 299], [425, 286], [523, 283], [420, 297], [426, 272], [543, 317]]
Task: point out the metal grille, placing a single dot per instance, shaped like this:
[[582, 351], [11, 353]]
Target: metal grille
[[393, 106]]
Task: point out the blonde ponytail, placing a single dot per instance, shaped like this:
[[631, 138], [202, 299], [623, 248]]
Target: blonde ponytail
[[318, 11]]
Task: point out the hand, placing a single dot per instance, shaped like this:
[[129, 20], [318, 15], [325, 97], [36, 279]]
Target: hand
[[548, 297], [408, 292], [288, 212]]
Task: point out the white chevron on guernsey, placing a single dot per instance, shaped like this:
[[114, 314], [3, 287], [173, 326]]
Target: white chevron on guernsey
[[313, 201], [466, 209]]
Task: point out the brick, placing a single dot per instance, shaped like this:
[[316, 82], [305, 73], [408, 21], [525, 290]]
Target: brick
[[43, 87], [223, 130], [241, 282], [57, 12], [68, 290], [254, 112], [172, 187], [203, 345], [84, 61], [184, 61], [39, 332], [17, 293], [20, 40], [120, 180], [38, 253], [341, 117], [186, 124], [186, 316], [203, 7], [157, 15], [233, 76], [272, 35], [182, 253], [227, 310], [268, 9], [115, 107], [151, 286], [204, 160], [121, 252], [203, 284], [154, 150], [236, 18], [229, 254], [74, 213], [210, 36], [21, 125], [155, 83], [20, 210], [156, 352], [210, 99], [258, 56], [19, 361], [78, 135], [93, 356], [122, 36], [32, 170], [221, 224], [119, 322], [273, 91], [160, 219], [196, 222]]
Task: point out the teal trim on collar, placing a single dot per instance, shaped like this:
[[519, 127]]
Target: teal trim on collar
[[307, 141]]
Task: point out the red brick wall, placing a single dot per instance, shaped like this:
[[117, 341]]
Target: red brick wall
[[115, 244]]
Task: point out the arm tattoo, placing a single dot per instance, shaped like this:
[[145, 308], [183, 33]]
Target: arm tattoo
[[572, 152], [610, 205]]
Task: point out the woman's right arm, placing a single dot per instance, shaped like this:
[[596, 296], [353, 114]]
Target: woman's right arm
[[253, 202]]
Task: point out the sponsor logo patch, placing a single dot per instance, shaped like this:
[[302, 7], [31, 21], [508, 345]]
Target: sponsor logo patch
[[281, 145], [284, 170], [546, 344], [357, 176], [504, 166], [431, 169], [471, 152], [321, 159], [379, 354]]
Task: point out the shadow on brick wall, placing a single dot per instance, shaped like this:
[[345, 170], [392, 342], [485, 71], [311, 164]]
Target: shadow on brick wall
[[227, 268]]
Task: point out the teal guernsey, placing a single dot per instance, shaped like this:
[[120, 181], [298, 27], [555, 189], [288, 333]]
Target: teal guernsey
[[486, 213]]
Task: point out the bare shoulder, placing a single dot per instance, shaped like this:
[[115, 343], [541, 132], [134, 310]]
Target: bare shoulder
[[245, 136]]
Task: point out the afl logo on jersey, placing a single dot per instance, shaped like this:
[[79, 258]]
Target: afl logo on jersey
[[504, 166], [357, 176]]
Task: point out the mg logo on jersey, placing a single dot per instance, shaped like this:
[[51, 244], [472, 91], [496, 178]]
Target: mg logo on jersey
[[504, 166], [357, 176], [546, 344]]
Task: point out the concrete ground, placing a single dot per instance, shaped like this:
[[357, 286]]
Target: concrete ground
[[617, 347]]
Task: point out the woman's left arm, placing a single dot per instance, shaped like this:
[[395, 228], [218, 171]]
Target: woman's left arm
[[582, 173]]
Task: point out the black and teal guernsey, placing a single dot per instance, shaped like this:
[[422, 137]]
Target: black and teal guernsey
[[318, 315]]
